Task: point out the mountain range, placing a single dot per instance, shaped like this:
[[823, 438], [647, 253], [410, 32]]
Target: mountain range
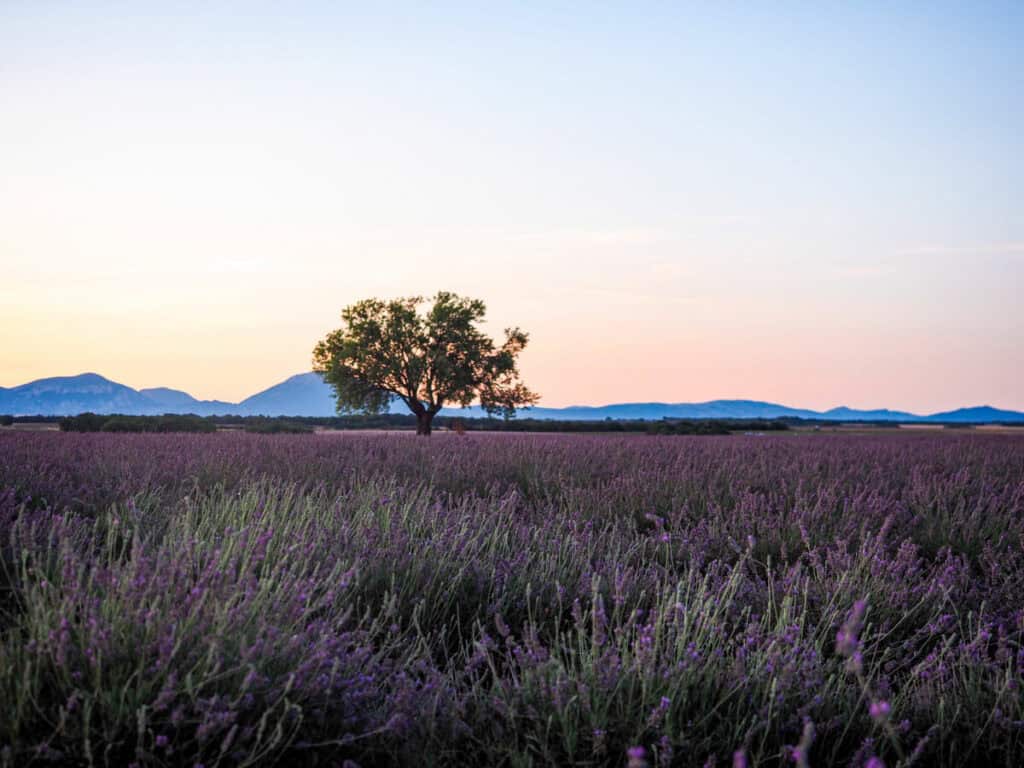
[[305, 394]]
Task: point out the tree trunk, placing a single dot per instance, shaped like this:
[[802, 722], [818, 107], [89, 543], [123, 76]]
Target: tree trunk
[[423, 423]]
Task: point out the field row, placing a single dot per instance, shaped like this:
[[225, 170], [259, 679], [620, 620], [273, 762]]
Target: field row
[[512, 600]]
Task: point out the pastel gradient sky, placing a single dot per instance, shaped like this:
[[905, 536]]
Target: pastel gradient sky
[[780, 201]]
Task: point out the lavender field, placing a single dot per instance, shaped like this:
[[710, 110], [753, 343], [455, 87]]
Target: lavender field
[[367, 600]]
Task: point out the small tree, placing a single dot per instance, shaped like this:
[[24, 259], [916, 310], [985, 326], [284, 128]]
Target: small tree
[[389, 349]]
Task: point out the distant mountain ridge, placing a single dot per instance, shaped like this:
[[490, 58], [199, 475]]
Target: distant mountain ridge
[[306, 394], [182, 402]]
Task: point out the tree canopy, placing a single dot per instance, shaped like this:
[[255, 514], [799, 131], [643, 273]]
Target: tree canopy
[[425, 356]]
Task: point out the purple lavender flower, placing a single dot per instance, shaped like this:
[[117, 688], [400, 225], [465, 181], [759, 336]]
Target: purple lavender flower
[[637, 757], [879, 710], [541, 529], [847, 640]]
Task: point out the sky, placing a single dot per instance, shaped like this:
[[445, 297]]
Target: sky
[[809, 203]]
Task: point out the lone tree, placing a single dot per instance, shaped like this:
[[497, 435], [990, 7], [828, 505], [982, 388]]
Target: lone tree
[[390, 349]]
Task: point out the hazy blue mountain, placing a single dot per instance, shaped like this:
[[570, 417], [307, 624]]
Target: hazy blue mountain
[[306, 394], [73, 394], [176, 401], [169, 397], [746, 409], [881, 414], [979, 414], [714, 409]]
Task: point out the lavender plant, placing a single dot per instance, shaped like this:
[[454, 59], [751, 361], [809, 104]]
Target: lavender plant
[[236, 599]]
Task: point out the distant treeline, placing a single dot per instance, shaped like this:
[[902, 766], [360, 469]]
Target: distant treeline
[[92, 422], [457, 423], [659, 427]]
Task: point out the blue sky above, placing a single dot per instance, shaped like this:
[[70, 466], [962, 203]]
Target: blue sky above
[[811, 203]]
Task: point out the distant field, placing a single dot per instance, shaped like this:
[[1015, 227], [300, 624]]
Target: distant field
[[515, 600], [32, 426]]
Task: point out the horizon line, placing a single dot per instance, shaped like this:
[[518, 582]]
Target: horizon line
[[553, 407]]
